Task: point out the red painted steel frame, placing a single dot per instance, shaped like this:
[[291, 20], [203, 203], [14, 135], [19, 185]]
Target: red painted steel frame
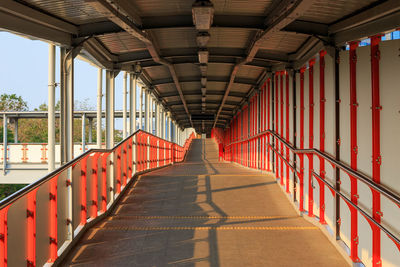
[[376, 149], [353, 150], [277, 170], [281, 115], [311, 137], [287, 131], [269, 123], [83, 191], [301, 156], [94, 205], [322, 101], [53, 220], [79, 176]]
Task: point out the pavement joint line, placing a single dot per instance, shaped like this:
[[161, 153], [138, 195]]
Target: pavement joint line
[[271, 228], [203, 217]]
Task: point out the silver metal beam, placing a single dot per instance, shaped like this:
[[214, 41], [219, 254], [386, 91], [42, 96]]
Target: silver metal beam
[[124, 105], [112, 12], [99, 108], [132, 103], [285, 12], [51, 121], [110, 102], [4, 143]]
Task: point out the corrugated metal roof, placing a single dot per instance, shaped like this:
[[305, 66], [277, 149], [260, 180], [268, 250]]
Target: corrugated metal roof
[[241, 7], [328, 11], [286, 42], [175, 38], [123, 42], [230, 37], [163, 8], [74, 11]]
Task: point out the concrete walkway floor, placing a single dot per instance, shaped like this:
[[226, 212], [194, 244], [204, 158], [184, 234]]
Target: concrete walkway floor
[[204, 213]]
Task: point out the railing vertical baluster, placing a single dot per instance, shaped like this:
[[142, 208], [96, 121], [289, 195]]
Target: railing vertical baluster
[[83, 192], [94, 195], [53, 219], [3, 236], [104, 158], [31, 229]]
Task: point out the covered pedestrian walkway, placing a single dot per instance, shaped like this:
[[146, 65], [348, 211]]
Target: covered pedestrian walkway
[[203, 212]]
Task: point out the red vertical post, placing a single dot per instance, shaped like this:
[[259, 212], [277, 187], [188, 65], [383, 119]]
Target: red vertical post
[[31, 229], [353, 149], [83, 191], [130, 160], [118, 166], [287, 132], [53, 220], [282, 73], [124, 162], [311, 138], [277, 172], [301, 156], [94, 194], [3, 236], [268, 123], [376, 149], [322, 101], [104, 157]]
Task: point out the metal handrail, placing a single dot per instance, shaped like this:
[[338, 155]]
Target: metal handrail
[[356, 174], [25, 190]]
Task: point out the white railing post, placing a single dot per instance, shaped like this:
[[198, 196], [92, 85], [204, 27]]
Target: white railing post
[[99, 108]]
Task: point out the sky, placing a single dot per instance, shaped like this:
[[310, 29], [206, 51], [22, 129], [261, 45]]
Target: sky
[[24, 67]]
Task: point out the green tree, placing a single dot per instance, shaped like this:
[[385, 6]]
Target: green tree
[[12, 103]]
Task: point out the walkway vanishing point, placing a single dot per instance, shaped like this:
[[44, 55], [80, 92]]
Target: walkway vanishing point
[[204, 213]]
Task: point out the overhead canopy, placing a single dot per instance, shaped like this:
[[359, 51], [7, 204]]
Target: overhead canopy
[[200, 58]]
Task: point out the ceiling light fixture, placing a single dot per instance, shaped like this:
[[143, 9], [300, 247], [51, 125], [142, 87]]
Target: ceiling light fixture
[[202, 14]]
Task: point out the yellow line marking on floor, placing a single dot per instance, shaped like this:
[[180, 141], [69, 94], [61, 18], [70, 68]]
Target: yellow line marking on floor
[[203, 217], [279, 228]]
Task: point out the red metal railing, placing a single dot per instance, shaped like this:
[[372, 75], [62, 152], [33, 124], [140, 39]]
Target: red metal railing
[[38, 222], [270, 137]]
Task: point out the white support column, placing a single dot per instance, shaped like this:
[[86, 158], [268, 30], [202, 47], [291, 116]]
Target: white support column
[[146, 113], [99, 103], [164, 125], [83, 133], [156, 118], [168, 128], [124, 106], [110, 86], [51, 121], [4, 143], [150, 113], [141, 109], [90, 131], [132, 103], [162, 132], [67, 102]]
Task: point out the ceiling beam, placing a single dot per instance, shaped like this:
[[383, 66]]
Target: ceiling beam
[[285, 12], [381, 25], [307, 27], [219, 21], [371, 14], [209, 79], [112, 12], [34, 16], [32, 29]]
